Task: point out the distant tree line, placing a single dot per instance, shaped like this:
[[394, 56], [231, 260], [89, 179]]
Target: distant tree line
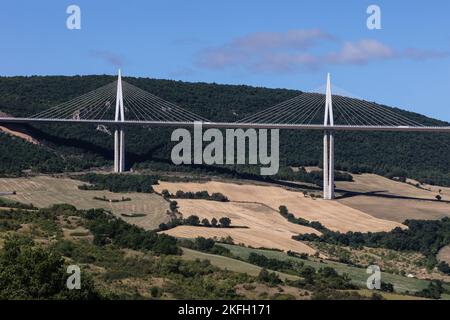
[[205, 245], [200, 195], [118, 182], [194, 220], [123, 199], [300, 221]]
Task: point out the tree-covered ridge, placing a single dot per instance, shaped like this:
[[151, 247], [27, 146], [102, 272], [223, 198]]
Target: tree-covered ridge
[[424, 156]]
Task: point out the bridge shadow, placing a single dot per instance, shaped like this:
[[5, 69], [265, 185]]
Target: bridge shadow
[[382, 194], [211, 170], [68, 142], [133, 158]]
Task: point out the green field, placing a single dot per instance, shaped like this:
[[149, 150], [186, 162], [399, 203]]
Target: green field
[[358, 275], [230, 264]]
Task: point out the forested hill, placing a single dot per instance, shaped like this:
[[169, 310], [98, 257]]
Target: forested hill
[[424, 156]]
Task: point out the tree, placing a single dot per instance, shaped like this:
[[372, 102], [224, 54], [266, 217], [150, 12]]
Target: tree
[[387, 287], [165, 193], [438, 197], [206, 223], [173, 206], [180, 194], [225, 222], [444, 267], [284, 210], [203, 244], [192, 220], [217, 196], [433, 291], [269, 278], [214, 222], [28, 271]]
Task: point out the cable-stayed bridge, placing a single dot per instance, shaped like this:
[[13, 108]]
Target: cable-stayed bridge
[[120, 104]]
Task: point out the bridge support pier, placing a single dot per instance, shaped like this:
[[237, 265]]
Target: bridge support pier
[[328, 165], [119, 133], [328, 146], [119, 151]]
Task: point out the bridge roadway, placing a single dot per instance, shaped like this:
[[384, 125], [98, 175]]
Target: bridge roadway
[[231, 125]]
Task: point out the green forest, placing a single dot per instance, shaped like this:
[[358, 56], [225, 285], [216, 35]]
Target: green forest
[[423, 156]]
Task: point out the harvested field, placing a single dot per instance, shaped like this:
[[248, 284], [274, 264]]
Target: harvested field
[[396, 201], [332, 214], [45, 191], [265, 228]]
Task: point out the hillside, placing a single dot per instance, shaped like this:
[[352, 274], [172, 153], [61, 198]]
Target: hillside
[[71, 148]]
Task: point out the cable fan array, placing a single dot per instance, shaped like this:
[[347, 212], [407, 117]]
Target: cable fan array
[[100, 104], [309, 108], [304, 109]]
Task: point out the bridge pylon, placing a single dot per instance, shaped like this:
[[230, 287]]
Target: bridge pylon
[[119, 133], [328, 146]]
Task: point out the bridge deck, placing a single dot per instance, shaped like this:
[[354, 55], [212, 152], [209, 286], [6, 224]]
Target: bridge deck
[[231, 125]]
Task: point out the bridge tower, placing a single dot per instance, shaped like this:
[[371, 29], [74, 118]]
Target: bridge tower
[[328, 146], [119, 133]]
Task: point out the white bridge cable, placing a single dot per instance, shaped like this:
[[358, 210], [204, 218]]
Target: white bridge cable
[[304, 109], [357, 117], [99, 104], [146, 114], [163, 107], [376, 116], [284, 112], [268, 111], [136, 101], [79, 105], [289, 111], [392, 114], [60, 111], [82, 109], [92, 112], [310, 104], [342, 113], [150, 111], [64, 106]]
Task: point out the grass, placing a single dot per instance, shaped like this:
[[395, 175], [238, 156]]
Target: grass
[[230, 264], [358, 275], [388, 295]]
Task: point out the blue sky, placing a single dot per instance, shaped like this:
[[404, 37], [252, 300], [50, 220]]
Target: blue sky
[[282, 44]]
